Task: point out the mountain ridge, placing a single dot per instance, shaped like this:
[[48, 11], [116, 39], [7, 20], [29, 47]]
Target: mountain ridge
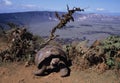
[[45, 16]]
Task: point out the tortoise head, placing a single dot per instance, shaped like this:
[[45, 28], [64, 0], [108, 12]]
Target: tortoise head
[[55, 61]]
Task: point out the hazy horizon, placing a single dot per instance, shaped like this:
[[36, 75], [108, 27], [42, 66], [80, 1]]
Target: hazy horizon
[[101, 13]]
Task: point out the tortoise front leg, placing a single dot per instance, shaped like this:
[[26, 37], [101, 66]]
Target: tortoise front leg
[[41, 71], [64, 71]]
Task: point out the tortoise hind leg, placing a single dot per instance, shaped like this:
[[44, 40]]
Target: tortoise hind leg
[[64, 70], [41, 71]]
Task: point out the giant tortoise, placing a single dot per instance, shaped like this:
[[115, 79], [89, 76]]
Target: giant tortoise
[[51, 58]]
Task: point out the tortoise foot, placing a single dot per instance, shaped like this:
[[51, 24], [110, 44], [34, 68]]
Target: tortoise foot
[[40, 72], [64, 72]]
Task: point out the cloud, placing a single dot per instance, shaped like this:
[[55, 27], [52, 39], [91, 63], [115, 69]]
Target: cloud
[[6, 3], [29, 6], [100, 9]]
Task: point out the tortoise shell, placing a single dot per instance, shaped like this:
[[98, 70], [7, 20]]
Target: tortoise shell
[[45, 55]]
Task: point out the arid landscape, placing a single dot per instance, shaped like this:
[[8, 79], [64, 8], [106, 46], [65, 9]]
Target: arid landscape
[[90, 45]]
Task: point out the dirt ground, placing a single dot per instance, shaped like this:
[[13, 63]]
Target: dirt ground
[[18, 73]]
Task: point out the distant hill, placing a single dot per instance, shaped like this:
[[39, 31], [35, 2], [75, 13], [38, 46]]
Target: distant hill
[[27, 17], [46, 16]]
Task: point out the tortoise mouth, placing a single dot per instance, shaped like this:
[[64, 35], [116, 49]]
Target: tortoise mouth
[[55, 65]]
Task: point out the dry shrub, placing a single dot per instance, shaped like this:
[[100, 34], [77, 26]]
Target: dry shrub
[[103, 54]]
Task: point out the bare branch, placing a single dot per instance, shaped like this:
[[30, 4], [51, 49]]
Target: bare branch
[[64, 19]]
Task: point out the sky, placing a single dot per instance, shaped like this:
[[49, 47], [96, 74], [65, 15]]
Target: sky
[[93, 6]]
